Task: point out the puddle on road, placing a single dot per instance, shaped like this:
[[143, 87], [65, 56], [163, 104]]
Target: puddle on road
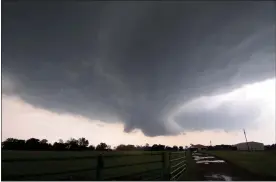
[[197, 154], [209, 161], [218, 177], [212, 168], [197, 158], [206, 159]]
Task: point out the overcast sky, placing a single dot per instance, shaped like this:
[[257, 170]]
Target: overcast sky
[[173, 72]]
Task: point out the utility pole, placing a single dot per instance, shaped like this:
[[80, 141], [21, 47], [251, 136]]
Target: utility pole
[[246, 139], [210, 143]]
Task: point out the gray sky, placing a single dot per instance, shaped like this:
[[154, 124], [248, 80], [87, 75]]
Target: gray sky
[[138, 63]]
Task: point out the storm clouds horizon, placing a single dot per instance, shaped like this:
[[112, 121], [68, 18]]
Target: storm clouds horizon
[[139, 63]]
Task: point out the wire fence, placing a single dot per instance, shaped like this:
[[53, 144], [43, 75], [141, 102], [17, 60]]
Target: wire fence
[[177, 165], [143, 166]]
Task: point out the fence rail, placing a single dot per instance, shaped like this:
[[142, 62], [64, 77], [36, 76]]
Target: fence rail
[[177, 169], [75, 158], [132, 164], [49, 159], [172, 165]]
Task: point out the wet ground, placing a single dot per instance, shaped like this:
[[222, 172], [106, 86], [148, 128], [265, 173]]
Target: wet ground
[[214, 169]]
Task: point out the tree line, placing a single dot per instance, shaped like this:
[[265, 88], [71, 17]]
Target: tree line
[[222, 147], [78, 144], [270, 147], [83, 144]]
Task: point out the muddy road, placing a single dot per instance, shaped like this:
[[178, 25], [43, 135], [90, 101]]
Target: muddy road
[[214, 169]]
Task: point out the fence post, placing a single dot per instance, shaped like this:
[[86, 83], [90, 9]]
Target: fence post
[[169, 168], [165, 166], [100, 165]]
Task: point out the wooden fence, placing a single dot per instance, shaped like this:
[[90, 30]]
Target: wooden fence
[[165, 166]]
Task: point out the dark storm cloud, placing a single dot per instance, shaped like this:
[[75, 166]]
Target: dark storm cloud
[[228, 116], [133, 62]]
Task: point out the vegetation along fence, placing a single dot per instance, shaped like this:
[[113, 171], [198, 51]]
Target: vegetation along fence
[[107, 166]]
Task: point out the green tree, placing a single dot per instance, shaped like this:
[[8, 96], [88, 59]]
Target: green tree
[[83, 143], [101, 146], [72, 144]]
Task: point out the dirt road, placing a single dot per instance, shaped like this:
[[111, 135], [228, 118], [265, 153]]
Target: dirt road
[[214, 169]]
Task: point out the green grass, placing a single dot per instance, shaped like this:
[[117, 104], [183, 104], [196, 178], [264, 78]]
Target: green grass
[[191, 173], [37, 167], [259, 162]]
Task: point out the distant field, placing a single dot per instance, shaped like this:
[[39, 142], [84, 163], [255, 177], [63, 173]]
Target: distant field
[[258, 162], [15, 163]]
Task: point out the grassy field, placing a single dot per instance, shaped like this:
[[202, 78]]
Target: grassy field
[[260, 162], [15, 163]]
